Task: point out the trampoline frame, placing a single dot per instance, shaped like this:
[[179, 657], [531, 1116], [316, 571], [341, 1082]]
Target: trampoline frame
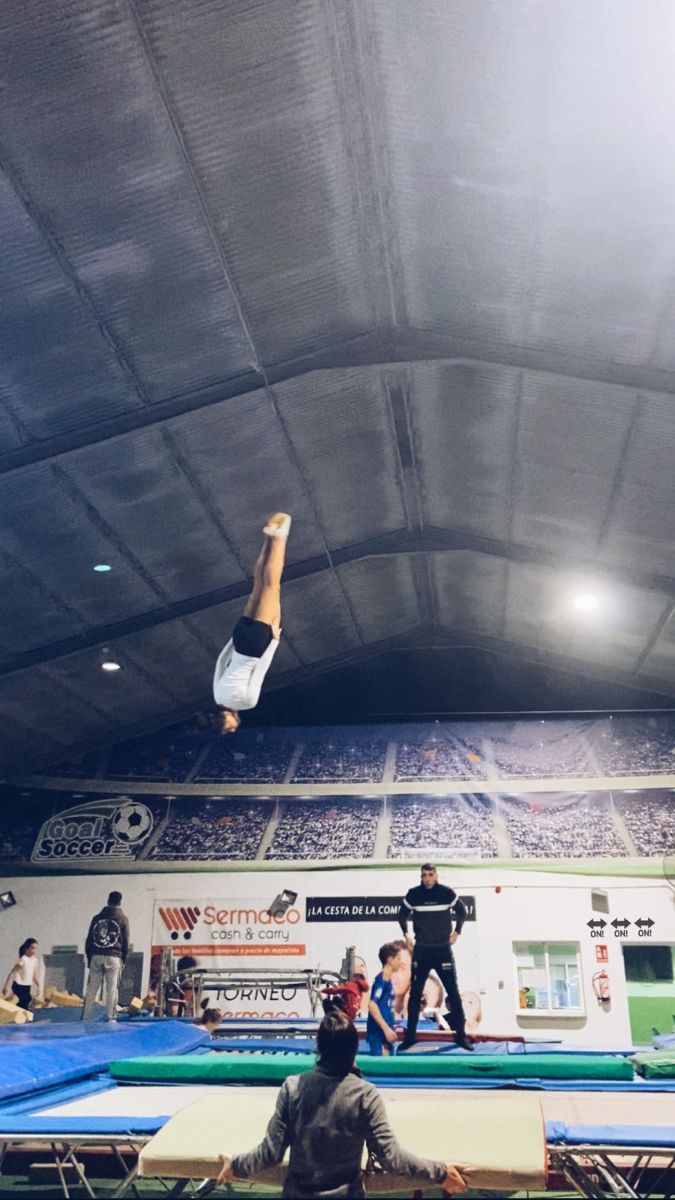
[[595, 1174], [594, 1171], [65, 1152], [311, 979]]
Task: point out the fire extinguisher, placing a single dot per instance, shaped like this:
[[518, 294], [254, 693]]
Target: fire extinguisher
[[601, 987]]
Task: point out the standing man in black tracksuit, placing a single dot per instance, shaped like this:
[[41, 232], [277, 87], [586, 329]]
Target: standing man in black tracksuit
[[430, 906]]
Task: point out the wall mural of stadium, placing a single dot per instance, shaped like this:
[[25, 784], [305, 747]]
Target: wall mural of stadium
[[558, 833], [594, 788]]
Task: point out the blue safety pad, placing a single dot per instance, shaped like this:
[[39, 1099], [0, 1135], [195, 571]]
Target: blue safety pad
[[62, 1094], [33, 1060], [530, 1084], [60, 1127], [298, 1045], [652, 1137]]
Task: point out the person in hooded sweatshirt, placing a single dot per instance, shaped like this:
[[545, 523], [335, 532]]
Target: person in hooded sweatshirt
[[106, 948]]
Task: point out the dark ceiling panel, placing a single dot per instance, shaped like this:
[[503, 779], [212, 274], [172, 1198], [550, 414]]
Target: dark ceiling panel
[[659, 662], [241, 443], [255, 90], [30, 615], [642, 528], [470, 592], [463, 424], [56, 371], [464, 91], [317, 619], [383, 595], [48, 710], [143, 495], [341, 428], [606, 254], [442, 196], [571, 440], [84, 127], [540, 614], [532, 177], [54, 538], [174, 658], [117, 698]]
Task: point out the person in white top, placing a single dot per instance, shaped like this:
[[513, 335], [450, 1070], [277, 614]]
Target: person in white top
[[245, 660], [24, 975]]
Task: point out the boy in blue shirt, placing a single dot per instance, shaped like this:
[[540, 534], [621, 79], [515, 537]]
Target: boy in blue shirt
[[380, 1032]]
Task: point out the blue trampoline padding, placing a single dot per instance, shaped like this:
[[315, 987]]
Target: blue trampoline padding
[[56, 1126], [651, 1137], [61, 1094], [31, 1060], [297, 1045]]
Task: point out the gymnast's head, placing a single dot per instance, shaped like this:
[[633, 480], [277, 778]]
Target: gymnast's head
[[210, 1019], [337, 1043], [230, 720]]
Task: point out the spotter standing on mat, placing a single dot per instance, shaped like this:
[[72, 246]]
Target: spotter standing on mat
[[245, 660], [430, 906]]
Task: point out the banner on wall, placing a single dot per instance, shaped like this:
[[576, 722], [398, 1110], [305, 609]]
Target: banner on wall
[[231, 934], [228, 934], [116, 827], [366, 908]]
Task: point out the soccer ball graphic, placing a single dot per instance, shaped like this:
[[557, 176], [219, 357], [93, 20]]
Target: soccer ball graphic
[[132, 822]]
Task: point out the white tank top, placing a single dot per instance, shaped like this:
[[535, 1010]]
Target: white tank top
[[26, 969], [238, 678]]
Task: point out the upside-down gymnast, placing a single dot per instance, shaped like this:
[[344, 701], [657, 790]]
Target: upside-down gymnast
[[245, 660]]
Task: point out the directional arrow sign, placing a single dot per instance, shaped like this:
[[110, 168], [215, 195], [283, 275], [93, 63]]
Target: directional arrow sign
[[622, 924], [644, 922], [596, 924]]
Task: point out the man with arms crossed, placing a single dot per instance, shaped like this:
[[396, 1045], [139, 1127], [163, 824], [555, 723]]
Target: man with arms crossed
[[430, 907], [245, 660]]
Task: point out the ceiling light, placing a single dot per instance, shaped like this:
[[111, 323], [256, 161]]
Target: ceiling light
[[102, 567], [586, 602], [110, 665]]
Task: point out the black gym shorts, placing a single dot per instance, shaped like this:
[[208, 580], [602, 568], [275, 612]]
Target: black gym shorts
[[251, 637]]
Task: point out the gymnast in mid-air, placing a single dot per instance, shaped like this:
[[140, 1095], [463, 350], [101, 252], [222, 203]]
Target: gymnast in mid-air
[[245, 660]]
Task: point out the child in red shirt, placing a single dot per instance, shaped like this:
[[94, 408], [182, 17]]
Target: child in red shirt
[[347, 996]]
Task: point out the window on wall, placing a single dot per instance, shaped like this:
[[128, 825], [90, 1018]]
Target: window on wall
[[548, 978], [648, 964]]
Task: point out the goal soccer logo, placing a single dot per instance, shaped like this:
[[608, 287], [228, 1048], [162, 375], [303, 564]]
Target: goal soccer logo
[[112, 828]]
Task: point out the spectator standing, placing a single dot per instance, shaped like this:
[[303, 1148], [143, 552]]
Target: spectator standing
[[431, 905], [380, 1031], [326, 1115], [106, 948], [24, 975]]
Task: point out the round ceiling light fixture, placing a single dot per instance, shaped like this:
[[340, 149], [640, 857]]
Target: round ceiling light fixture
[[586, 602], [101, 568], [110, 665]]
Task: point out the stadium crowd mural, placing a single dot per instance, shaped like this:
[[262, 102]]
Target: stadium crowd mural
[[532, 748], [379, 794], [141, 830]]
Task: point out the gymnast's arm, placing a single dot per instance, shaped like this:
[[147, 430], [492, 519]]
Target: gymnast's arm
[[382, 1143], [270, 1152], [459, 914], [404, 915]]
